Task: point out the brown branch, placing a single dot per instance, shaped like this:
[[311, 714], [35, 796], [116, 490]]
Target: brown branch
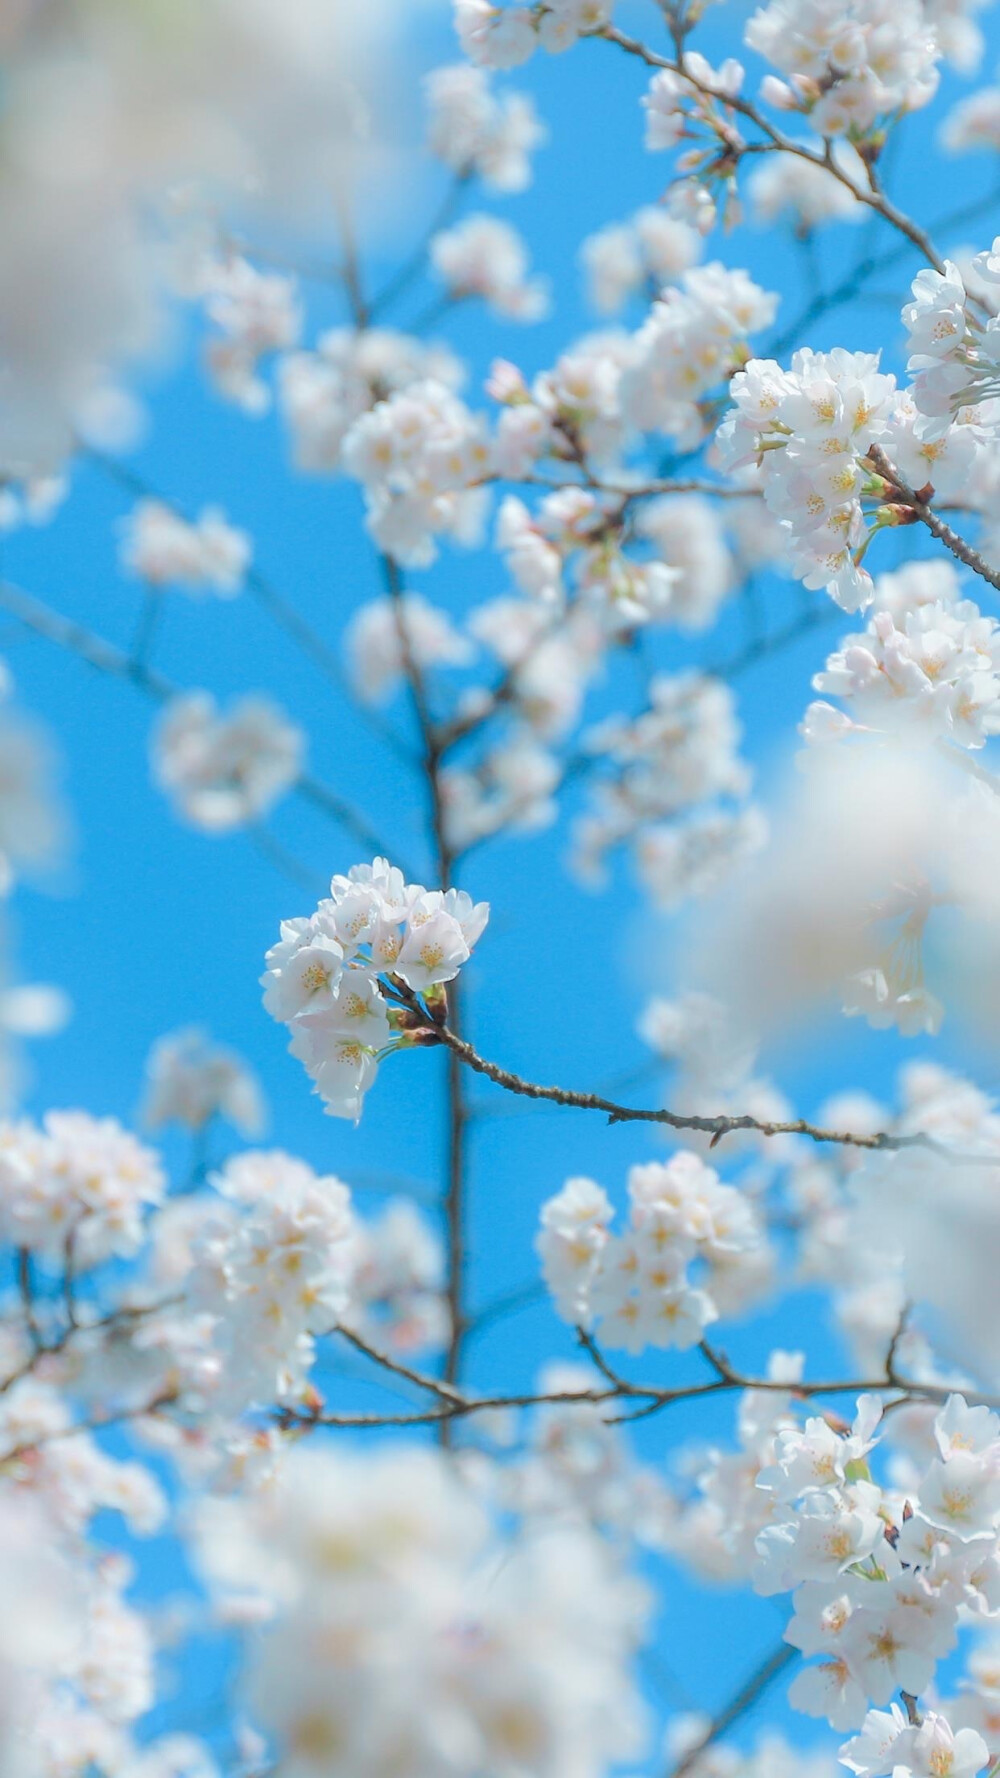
[[457, 1111], [26, 1290], [874, 198], [386, 1362], [716, 1127], [901, 494], [120, 1417], [651, 1398]]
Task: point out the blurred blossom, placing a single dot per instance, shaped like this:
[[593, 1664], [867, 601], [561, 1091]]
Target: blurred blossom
[[190, 1080], [880, 851], [940, 1217], [456, 1651], [106, 109], [224, 770]]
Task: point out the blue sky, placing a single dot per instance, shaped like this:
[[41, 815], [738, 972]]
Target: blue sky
[[150, 926]]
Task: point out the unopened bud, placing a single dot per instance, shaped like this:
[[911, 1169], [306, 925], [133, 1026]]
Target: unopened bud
[[421, 1038], [436, 1001]]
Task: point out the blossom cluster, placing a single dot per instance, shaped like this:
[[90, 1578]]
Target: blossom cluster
[[386, 638], [164, 549], [482, 256], [880, 1576], [241, 111], [476, 130], [467, 1604], [954, 354], [323, 391], [79, 1185], [256, 314], [810, 428], [680, 753], [418, 456], [650, 249], [849, 65], [325, 976], [270, 1275], [505, 37], [932, 671], [694, 339], [635, 1289], [456, 1650], [190, 1081]]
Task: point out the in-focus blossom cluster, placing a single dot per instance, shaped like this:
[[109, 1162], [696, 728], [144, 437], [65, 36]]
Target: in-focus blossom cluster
[[931, 671], [880, 1576], [326, 975], [636, 1289], [809, 429], [954, 349]]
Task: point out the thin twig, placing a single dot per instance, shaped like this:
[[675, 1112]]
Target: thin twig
[[901, 494], [775, 139], [748, 1694], [97, 652], [716, 1127]]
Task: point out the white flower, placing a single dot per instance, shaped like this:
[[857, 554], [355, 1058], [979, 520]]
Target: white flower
[[810, 428], [323, 977], [482, 256], [635, 1288], [495, 36], [420, 456], [850, 65], [324, 391], [257, 313], [162, 548], [222, 771], [385, 634], [693, 340], [271, 1277], [473, 129], [652, 246], [513, 1652], [81, 1181], [191, 1080], [932, 672]]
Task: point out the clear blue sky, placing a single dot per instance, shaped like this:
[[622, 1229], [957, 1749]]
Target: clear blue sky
[[150, 926]]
